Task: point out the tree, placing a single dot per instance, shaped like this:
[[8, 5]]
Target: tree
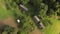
[[8, 29], [43, 9], [50, 12]]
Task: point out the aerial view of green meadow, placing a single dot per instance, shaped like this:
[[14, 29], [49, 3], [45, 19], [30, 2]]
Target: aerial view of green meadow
[[29, 16]]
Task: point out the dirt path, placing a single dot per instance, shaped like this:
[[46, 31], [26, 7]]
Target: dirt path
[[36, 31], [10, 21]]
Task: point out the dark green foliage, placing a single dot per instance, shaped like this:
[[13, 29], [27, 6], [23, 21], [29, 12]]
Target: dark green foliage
[[58, 13], [50, 12], [8, 29], [43, 9], [19, 32]]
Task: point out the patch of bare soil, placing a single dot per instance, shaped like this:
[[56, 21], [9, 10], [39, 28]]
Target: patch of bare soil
[[55, 17], [1, 23], [36, 31], [10, 21]]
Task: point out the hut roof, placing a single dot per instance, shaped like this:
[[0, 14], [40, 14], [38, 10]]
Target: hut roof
[[36, 18], [23, 7]]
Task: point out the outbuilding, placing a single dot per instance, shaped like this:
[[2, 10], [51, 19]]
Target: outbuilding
[[40, 24], [36, 19], [23, 7]]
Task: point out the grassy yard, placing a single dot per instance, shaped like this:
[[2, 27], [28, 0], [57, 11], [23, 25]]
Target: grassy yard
[[4, 13], [53, 29]]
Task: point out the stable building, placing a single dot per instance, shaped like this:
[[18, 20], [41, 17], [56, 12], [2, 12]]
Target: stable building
[[37, 20]]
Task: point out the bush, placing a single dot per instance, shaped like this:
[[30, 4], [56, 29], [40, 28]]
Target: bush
[[8, 29]]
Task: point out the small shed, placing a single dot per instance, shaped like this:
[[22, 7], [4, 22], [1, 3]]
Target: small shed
[[23, 7], [40, 24]]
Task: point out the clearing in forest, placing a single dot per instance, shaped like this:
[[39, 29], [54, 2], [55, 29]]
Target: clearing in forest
[[10, 21]]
